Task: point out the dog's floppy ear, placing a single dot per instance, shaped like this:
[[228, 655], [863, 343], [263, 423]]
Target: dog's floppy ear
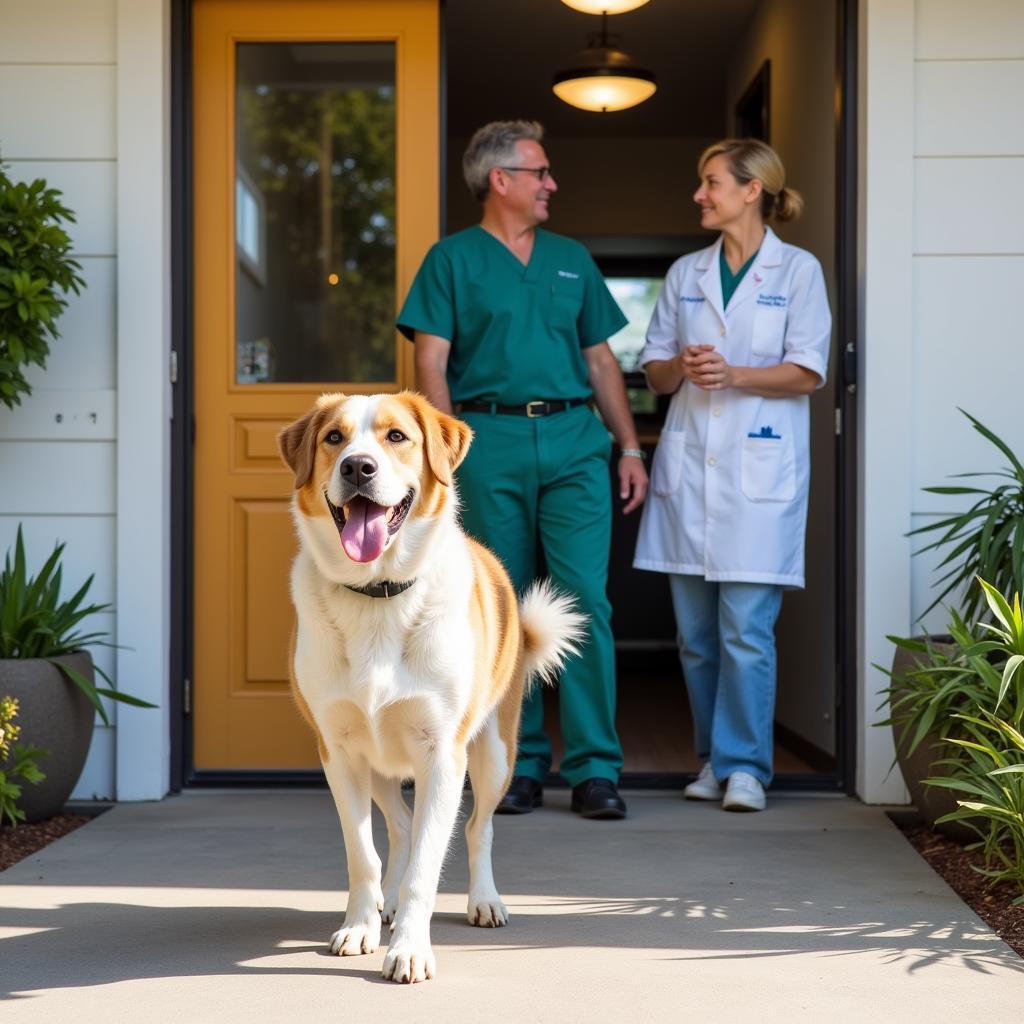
[[445, 438], [297, 443]]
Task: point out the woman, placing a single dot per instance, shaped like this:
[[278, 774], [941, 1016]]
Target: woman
[[739, 338]]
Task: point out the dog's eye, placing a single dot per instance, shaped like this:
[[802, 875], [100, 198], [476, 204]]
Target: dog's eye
[[395, 436], [334, 437]]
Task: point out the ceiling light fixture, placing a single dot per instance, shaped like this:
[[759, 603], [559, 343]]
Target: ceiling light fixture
[[603, 77], [604, 6]]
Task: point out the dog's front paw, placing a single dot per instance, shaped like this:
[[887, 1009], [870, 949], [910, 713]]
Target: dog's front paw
[[352, 940], [409, 961], [487, 911]]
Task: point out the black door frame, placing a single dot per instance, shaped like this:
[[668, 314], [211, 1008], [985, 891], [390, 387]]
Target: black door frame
[[182, 395], [182, 770], [846, 333]]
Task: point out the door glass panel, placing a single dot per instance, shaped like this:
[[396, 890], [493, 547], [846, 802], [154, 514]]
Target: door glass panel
[[315, 212]]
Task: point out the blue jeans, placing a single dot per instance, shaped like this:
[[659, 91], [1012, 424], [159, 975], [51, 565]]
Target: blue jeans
[[727, 650]]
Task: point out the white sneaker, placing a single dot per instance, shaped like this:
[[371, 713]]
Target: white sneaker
[[743, 793], [704, 787]]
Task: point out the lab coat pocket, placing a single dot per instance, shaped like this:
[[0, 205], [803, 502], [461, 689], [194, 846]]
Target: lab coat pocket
[[769, 331], [667, 470], [768, 469]]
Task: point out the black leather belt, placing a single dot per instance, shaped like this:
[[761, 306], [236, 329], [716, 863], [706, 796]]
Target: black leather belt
[[544, 407]]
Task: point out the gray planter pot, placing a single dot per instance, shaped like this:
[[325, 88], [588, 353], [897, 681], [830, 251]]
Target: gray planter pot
[[932, 801], [53, 714]]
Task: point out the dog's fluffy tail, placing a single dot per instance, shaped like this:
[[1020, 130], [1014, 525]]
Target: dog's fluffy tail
[[552, 630]]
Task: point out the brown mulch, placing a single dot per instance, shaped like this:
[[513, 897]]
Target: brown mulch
[[24, 840], [992, 903]]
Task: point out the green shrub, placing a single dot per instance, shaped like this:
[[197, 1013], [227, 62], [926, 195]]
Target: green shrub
[[36, 274]]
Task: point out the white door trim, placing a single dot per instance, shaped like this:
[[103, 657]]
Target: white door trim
[[886, 201], [142, 770]]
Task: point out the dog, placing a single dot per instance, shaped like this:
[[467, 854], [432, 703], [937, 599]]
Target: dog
[[410, 658]]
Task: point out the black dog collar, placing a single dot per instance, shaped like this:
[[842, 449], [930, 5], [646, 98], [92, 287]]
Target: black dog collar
[[385, 588]]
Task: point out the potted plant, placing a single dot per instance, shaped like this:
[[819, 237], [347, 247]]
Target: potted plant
[[46, 667], [937, 691], [935, 677], [930, 684], [36, 274]]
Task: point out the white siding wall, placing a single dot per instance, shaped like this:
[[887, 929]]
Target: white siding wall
[[84, 89], [942, 151], [58, 121], [968, 260]]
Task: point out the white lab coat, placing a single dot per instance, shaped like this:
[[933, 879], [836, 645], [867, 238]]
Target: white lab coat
[[728, 497]]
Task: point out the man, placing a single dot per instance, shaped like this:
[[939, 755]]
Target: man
[[510, 324]]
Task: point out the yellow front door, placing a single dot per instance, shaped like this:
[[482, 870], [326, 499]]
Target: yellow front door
[[316, 184]]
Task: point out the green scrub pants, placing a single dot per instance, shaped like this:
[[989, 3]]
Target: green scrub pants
[[546, 479]]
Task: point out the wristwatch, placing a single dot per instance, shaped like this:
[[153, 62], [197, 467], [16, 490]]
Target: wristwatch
[[636, 453]]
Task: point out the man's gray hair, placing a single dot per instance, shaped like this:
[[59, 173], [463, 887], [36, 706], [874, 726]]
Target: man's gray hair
[[492, 146]]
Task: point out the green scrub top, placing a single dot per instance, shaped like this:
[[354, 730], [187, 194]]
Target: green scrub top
[[731, 281], [517, 332]]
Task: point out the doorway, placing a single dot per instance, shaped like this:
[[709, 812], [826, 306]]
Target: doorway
[[766, 67], [626, 181]]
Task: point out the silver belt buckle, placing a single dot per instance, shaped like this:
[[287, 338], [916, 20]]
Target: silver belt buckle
[[530, 414]]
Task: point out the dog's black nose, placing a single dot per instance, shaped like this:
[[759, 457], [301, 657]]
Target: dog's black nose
[[358, 469]]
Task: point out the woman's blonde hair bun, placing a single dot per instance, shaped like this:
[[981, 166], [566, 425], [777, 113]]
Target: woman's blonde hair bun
[[749, 159]]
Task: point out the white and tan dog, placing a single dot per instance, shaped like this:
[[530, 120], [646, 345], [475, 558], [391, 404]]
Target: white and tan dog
[[420, 684]]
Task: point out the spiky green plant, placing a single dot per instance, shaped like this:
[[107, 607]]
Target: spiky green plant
[[36, 623], [990, 772], [988, 766], [986, 541]]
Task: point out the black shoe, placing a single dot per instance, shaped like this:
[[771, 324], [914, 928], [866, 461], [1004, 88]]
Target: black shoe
[[523, 795], [598, 798]]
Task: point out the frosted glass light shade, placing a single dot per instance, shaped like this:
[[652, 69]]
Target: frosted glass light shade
[[604, 92], [604, 6]]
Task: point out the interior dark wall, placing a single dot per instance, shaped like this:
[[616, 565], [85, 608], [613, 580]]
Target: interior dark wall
[[798, 37], [606, 186], [630, 172]]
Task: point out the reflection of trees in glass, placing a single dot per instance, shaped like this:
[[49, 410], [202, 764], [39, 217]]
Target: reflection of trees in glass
[[636, 297], [319, 226]]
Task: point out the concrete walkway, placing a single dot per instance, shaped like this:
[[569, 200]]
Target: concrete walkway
[[216, 907]]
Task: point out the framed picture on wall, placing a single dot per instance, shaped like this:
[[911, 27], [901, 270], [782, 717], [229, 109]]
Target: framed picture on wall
[[753, 110]]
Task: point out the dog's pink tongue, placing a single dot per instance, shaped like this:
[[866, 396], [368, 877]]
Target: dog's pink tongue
[[366, 530]]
